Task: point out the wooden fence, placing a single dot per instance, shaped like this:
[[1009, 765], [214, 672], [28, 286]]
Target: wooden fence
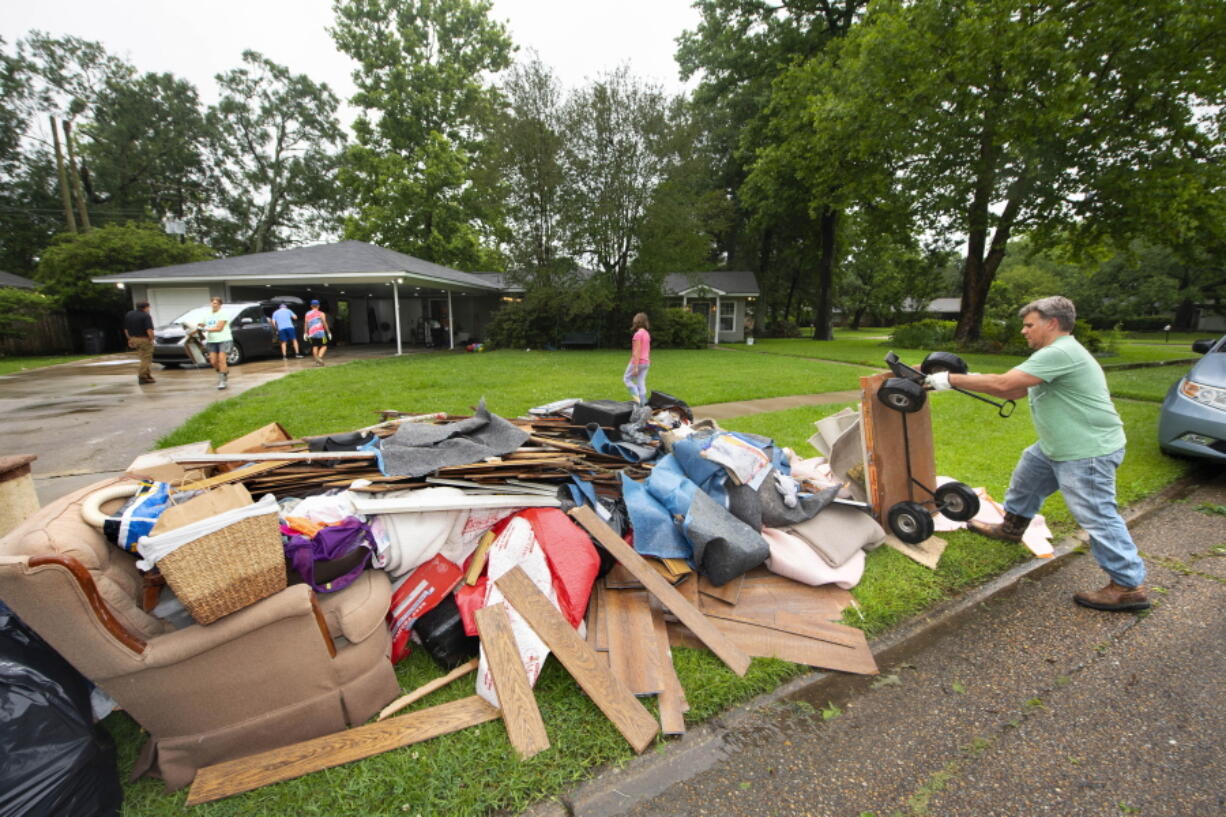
[[50, 335]]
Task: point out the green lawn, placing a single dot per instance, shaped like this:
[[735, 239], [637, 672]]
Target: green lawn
[[868, 348], [9, 365], [342, 397], [1145, 384], [474, 772]]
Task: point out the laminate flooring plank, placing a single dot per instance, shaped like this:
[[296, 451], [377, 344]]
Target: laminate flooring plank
[[672, 699], [277, 765], [520, 714], [728, 593], [764, 643], [615, 701], [633, 656], [732, 655], [602, 621]]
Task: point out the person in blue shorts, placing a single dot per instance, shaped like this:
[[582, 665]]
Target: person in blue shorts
[[283, 319]]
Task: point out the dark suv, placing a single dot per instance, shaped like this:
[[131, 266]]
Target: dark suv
[[254, 334]]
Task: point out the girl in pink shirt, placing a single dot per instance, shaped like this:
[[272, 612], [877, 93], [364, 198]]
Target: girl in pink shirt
[[640, 359]]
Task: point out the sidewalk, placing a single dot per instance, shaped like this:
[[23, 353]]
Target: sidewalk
[[1013, 703]]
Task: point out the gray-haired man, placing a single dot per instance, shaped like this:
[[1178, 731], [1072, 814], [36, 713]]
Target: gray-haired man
[[1081, 444]]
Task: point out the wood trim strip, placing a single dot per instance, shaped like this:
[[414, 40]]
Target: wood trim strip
[[520, 715], [322, 621], [277, 765], [426, 688], [671, 700], [700, 625], [632, 656], [615, 701], [103, 613]]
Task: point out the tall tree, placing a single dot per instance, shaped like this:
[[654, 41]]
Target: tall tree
[[740, 47], [275, 144], [144, 149], [418, 175], [530, 139], [617, 152], [1010, 115]]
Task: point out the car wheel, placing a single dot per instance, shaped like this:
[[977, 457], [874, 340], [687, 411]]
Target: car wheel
[[957, 501], [910, 522], [236, 355], [902, 395]]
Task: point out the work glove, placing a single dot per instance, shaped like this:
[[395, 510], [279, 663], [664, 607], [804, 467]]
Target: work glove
[[938, 381]]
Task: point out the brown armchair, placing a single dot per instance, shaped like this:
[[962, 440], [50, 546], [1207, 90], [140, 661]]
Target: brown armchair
[[290, 667]]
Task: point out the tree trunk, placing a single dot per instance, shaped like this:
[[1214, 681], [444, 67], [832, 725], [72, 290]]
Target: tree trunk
[[856, 317], [75, 176], [824, 309], [1185, 316], [65, 193]]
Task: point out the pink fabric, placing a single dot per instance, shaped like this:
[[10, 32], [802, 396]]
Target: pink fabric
[[792, 557], [644, 341]]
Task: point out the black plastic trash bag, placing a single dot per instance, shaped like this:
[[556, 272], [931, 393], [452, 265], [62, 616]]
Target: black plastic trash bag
[[54, 761]]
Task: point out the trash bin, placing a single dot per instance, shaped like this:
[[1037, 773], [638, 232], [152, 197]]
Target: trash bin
[[94, 341]]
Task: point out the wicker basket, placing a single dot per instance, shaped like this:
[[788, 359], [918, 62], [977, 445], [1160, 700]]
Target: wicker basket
[[228, 569]]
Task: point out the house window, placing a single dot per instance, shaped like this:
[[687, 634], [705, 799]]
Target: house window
[[727, 316]]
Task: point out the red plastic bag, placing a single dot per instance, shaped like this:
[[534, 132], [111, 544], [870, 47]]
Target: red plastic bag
[[572, 558], [417, 594]]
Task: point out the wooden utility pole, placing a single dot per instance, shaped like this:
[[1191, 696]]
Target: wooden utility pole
[[65, 193], [76, 177]]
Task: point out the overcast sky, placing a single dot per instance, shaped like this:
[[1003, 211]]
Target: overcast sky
[[578, 38]]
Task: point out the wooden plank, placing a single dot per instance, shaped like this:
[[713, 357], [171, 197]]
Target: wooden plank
[[277, 765], [237, 475], [615, 701], [728, 593], [633, 656], [839, 634], [716, 641], [289, 456], [602, 626], [886, 475], [595, 624], [520, 715], [679, 567], [688, 588], [479, 556], [765, 643], [672, 697], [765, 593], [425, 689], [619, 578]]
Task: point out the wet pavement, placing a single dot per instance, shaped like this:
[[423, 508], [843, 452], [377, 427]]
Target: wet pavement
[[1026, 705], [89, 419]]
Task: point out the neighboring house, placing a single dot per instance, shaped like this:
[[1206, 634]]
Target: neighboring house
[[948, 309], [8, 279], [726, 299], [371, 294]]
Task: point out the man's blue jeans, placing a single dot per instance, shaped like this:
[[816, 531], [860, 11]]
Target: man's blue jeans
[[1088, 487]]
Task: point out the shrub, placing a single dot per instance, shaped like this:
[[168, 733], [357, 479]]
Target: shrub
[[780, 329], [510, 327], [679, 329], [926, 334]]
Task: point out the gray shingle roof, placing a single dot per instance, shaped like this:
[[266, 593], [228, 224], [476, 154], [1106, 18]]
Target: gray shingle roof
[[320, 261], [8, 279], [727, 282]]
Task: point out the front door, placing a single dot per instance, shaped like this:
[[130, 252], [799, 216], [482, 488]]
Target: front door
[[702, 308]]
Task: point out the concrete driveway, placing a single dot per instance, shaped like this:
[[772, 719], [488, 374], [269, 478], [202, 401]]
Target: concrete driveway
[[89, 419]]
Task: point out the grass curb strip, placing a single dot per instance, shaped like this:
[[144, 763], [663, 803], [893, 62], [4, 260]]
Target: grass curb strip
[[614, 791]]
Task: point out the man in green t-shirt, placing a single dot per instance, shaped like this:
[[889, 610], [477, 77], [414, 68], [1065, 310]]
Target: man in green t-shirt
[[1081, 444]]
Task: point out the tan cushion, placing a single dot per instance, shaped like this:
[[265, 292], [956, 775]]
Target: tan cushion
[[358, 610]]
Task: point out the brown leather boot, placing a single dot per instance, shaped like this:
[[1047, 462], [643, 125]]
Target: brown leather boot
[[1114, 597], [1010, 530]]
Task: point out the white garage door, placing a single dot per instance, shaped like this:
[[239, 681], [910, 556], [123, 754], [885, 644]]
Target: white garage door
[[168, 303]]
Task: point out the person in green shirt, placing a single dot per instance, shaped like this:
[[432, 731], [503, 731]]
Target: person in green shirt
[[1081, 444]]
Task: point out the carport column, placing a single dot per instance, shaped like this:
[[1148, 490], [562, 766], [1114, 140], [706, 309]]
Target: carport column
[[396, 307], [717, 320], [450, 323]]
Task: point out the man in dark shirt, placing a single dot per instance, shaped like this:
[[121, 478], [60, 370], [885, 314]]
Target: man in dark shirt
[[138, 329]]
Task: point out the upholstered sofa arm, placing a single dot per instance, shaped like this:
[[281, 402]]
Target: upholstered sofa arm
[[297, 601]]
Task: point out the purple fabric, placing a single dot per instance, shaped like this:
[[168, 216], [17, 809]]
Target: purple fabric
[[330, 543]]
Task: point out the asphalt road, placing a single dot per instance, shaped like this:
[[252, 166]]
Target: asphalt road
[[1028, 706], [88, 420]]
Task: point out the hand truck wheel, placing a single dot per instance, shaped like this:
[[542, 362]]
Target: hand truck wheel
[[957, 501], [910, 522], [944, 362], [902, 395]]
